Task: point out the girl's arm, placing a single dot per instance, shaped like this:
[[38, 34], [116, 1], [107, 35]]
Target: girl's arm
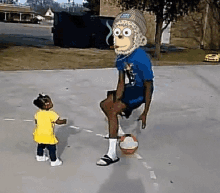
[[121, 85], [60, 121]]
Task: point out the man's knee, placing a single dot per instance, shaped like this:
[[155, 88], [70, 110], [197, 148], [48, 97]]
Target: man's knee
[[110, 108], [102, 104], [118, 108], [107, 103], [106, 106]]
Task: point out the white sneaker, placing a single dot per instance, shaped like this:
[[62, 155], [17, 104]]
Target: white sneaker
[[58, 162], [42, 158]]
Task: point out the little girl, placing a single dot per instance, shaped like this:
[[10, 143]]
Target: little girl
[[45, 120]]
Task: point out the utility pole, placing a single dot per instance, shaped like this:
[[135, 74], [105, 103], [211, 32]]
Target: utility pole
[[205, 24]]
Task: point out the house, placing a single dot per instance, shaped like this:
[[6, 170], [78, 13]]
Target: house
[[49, 15], [15, 13]]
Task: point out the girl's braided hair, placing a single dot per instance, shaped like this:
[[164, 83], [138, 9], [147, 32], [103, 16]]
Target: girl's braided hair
[[41, 100]]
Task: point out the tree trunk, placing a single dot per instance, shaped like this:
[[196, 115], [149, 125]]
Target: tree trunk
[[159, 25], [204, 26]]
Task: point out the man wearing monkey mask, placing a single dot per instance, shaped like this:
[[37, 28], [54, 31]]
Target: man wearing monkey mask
[[129, 30]]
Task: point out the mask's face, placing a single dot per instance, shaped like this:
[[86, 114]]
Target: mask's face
[[127, 37], [123, 37]]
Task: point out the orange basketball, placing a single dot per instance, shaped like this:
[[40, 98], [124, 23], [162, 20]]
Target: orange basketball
[[128, 144]]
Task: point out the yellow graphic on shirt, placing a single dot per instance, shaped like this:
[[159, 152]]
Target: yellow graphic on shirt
[[130, 73]]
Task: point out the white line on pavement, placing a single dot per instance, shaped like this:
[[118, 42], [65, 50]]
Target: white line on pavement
[[156, 186], [146, 165], [9, 119], [138, 156], [87, 130], [100, 135], [27, 120], [74, 127], [152, 175]]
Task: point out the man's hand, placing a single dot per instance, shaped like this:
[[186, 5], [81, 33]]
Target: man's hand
[[143, 118]]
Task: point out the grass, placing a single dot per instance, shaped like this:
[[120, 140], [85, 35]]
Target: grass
[[188, 55], [32, 58], [23, 58]]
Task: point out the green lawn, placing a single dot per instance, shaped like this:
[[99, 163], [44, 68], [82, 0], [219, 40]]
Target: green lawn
[[28, 58]]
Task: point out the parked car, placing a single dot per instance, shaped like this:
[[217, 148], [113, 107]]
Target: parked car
[[35, 20], [215, 57], [164, 48]]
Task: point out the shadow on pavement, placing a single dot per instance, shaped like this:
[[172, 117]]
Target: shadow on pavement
[[131, 125], [62, 134], [119, 182]]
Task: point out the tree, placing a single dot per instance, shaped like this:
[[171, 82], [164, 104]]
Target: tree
[[216, 3], [10, 2], [165, 11], [93, 5], [214, 23], [215, 7], [41, 6]]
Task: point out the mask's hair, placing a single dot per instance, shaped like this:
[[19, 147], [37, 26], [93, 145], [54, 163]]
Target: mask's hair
[[41, 100], [139, 38]]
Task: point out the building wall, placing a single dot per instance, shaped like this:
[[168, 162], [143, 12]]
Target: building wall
[[10, 12], [188, 31], [107, 9]]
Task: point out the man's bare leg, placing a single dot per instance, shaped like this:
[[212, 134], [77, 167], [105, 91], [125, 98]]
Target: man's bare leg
[[111, 110]]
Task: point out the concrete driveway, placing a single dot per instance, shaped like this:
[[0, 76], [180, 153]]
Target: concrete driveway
[[178, 151]]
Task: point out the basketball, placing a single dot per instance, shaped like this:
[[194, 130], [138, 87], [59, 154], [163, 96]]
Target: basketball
[[128, 144]]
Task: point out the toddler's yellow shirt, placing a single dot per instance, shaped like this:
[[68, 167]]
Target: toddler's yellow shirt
[[44, 130]]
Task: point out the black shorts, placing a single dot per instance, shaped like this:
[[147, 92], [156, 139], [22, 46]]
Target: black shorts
[[133, 96]]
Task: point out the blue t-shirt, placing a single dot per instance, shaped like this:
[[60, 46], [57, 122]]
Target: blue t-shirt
[[137, 67]]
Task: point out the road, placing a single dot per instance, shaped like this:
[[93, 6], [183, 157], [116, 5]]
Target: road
[[40, 35], [178, 151], [26, 34]]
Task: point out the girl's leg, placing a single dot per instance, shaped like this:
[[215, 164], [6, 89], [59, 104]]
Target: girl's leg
[[40, 149], [52, 152]]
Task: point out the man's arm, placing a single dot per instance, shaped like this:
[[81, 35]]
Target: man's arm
[[148, 96], [121, 85]]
